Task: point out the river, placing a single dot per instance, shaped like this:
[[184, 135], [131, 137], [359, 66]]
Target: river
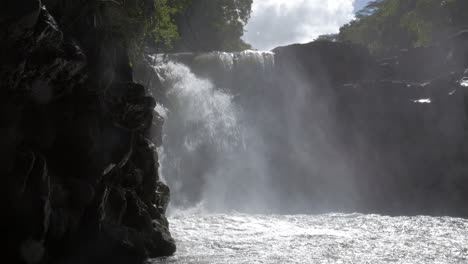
[[329, 238]]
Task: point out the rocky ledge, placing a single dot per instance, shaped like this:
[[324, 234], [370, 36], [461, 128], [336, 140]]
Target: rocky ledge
[[80, 172]]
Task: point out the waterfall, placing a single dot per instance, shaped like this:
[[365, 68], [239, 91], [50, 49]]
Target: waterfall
[[244, 133], [211, 152], [258, 132]]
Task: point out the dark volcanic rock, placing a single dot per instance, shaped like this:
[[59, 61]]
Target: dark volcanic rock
[[80, 173]]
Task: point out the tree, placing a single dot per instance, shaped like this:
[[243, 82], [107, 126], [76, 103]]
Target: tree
[[143, 22], [388, 25], [209, 25], [189, 25]]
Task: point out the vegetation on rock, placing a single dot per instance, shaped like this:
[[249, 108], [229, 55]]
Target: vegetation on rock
[[141, 23], [209, 25], [190, 25], [386, 26]]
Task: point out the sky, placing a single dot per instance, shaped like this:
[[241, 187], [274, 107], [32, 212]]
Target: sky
[[281, 22]]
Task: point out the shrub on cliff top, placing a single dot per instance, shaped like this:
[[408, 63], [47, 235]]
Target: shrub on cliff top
[[388, 25]]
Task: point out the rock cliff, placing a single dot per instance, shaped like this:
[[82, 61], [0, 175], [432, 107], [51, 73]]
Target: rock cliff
[[401, 120], [80, 171]]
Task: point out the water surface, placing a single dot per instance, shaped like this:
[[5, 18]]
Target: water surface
[[331, 238]]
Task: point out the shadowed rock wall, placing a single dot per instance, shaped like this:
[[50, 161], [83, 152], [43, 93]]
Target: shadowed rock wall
[[401, 121], [80, 172]]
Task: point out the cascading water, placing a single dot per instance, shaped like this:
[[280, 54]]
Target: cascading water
[[211, 152], [239, 136]]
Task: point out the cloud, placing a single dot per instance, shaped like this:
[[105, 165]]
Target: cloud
[[281, 22]]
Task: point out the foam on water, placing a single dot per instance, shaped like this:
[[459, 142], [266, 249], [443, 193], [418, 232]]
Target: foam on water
[[330, 238]]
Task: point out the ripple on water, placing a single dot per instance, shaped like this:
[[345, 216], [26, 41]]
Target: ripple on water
[[330, 238]]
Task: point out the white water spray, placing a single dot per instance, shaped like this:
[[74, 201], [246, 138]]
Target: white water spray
[[210, 152]]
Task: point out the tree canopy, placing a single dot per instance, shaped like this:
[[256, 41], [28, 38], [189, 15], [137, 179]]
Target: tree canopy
[[388, 25], [181, 25], [144, 22], [208, 25]]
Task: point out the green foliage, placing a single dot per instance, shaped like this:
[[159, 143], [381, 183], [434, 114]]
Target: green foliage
[[209, 25], [199, 25], [388, 25], [139, 22], [164, 30]]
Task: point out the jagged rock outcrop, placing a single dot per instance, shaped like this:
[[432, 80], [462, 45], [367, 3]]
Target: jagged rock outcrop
[[80, 173]]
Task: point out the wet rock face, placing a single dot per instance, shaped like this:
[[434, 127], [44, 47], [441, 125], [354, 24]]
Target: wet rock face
[[80, 175], [400, 121], [324, 62]]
